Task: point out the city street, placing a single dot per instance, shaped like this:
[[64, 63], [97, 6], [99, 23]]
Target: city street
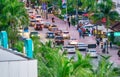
[[74, 33]]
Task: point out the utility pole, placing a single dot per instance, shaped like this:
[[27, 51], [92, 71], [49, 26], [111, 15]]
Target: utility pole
[[66, 7], [77, 12]]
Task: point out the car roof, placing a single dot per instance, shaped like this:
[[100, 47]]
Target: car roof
[[81, 43], [65, 31], [50, 32], [69, 46], [33, 20], [91, 49], [58, 36], [38, 15], [33, 32]]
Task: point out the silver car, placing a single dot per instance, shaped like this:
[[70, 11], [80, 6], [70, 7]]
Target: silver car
[[69, 49], [81, 46]]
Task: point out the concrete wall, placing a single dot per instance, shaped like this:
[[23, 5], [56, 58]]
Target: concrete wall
[[18, 68]]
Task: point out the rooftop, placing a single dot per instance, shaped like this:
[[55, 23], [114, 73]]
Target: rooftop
[[11, 55]]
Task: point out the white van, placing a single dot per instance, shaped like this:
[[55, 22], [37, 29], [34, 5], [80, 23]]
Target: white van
[[92, 53]]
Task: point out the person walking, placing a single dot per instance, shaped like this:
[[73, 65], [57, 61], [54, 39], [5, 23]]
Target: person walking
[[118, 54], [110, 44], [97, 41], [80, 32], [68, 20], [101, 44], [53, 19]]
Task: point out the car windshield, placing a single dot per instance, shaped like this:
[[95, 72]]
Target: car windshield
[[50, 33], [34, 33], [38, 17], [54, 29], [38, 24], [92, 51], [66, 32], [68, 47], [59, 38], [73, 39], [33, 20]]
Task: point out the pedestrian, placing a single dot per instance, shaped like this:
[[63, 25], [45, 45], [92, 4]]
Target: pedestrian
[[103, 50], [105, 45], [80, 32], [69, 23], [65, 18], [118, 54], [36, 10], [83, 34], [98, 42], [110, 44], [101, 44], [53, 20], [68, 20]]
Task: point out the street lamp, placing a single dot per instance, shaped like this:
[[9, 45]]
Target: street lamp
[[77, 12]]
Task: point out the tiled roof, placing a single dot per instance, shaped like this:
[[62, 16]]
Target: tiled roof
[[116, 26]]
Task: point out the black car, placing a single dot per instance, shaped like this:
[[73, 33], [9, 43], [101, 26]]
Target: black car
[[59, 40], [50, 35], [38, 26], [32, 34]]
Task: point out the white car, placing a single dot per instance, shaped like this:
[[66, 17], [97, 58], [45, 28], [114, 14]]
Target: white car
[[81, 46], [73, 41], [66, 34], [92, 53], [38, 18], [69, 49]]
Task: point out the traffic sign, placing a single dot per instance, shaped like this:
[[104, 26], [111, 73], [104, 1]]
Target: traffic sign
[[116, 33]]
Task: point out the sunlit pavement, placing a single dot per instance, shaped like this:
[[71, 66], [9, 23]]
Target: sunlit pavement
[[74, 34]]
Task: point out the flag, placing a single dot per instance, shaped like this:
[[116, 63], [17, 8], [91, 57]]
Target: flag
[[64, 3], [44, 6]]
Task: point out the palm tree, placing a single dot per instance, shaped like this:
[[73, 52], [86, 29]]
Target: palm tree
[[13, 15], [53, 63], [105, 68], [105, 14]]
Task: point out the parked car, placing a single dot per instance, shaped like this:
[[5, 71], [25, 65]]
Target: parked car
[[88, 26], [86, 34], [32, 34], [54, 29], [32, 16], [73, 41], [46, 24], [92, 53], [70, 49], [66, 35], [32, 22], [50, 35], [58, 40], [58, 32], [81, 46], [52, 26], [38, 26], [38, 18]]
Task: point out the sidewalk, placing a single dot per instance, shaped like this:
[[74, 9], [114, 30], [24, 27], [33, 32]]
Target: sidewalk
[[87, 40]]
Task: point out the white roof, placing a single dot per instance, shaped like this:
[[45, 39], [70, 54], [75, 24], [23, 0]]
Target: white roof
[[10, 55]]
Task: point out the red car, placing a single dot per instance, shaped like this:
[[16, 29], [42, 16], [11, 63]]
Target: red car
[[38, 26], [59, 40]]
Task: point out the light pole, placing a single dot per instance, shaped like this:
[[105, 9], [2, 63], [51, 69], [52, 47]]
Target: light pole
[[77, 12]]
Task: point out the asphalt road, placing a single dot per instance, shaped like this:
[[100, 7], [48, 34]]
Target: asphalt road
[[74, 33]]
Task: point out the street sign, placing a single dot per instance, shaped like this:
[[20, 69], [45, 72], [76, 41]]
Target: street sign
[[3, 39], [64, 3], [28, 47], [44, 6], [116, 33]]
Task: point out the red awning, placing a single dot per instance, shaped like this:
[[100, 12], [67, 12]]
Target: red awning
[[103, 20], [85, 15]]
